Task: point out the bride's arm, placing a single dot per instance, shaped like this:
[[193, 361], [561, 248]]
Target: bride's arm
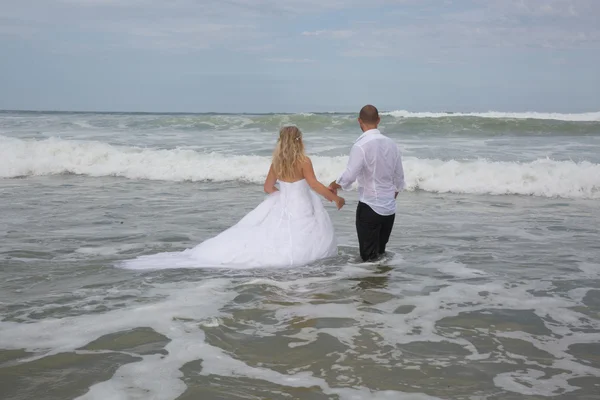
[[270, 181], [311, 179]]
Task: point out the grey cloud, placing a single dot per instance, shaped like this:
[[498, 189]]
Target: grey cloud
[[558, 8], [526, 24], [337, 34], [174, 24], [405, 25], [291, 60], [136, 23]]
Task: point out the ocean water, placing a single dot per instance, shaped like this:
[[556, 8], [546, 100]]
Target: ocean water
[[491, 289]]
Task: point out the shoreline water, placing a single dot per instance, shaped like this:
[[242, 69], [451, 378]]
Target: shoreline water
[[582, 116], [485, 297]]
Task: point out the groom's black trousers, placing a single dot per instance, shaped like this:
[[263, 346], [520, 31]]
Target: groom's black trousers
[[373, 231]]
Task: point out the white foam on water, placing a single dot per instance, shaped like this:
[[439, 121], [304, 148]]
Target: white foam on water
[[181, 312], [590, 269], [180, 315], [109, 250], [543, 177], [57, 156], [578, 294], [66, 334], [394, 329], [216, 362], [154, 377], [573, 117], [301, 286], [535, 382], [456, 269], [531, 382], [420, 325]]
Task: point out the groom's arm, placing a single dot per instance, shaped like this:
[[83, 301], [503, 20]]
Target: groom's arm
[[353, 168]]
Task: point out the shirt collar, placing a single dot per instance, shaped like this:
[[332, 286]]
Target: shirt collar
[[369, 132]]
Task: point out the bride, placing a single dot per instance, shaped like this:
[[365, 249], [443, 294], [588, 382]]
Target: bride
[[289, 228]]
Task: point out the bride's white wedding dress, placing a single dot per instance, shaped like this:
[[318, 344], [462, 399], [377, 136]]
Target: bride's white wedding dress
[[289, 228]]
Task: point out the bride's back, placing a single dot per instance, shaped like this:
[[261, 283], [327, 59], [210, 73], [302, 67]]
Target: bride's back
[[297, 176]]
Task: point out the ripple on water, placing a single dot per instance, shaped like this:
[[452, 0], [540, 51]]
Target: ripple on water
[[352, 331]]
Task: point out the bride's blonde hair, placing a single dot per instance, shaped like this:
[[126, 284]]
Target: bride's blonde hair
[[288, 153]]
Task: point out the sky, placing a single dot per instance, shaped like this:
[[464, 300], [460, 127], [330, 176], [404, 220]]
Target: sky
[[300, 55]]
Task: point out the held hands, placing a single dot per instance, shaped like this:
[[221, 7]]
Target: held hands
[[339, 202], [333, 187]]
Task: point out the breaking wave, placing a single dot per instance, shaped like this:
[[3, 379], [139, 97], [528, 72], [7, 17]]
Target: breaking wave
[[577, 117], [542, 177]]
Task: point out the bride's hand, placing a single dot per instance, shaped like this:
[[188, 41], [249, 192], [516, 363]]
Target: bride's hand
[[340, 202]]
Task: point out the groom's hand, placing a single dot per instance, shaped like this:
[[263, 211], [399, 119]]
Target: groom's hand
[[333, 187]]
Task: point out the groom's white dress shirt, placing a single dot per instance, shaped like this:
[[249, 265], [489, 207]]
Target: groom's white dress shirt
[[376, 164]]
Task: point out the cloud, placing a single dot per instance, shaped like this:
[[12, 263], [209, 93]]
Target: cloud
[[558, 8], [298, 7], [336, 34], [291, 60], [177, 33], [144, 24], [429, 27], [16, 30], [110, 3], [264, 28], [174, 25], [372, 49]]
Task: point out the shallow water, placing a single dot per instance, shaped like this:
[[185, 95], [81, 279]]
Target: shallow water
[[481, 297], [485, 296]]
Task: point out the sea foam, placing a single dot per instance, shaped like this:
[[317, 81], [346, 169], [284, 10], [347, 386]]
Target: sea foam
[[542, 177], [575, 117]]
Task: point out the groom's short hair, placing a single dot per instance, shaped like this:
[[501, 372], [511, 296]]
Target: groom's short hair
[[369, 114]]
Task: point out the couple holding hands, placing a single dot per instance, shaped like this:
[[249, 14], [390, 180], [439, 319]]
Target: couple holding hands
[[291, 227]]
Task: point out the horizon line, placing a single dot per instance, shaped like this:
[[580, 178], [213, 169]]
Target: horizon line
[[177, 112], [49, 111]]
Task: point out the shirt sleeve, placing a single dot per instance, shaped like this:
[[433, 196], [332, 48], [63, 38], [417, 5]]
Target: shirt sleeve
[[399, 174], [353, 168]]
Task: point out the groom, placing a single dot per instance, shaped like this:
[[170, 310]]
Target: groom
[[375, 162]]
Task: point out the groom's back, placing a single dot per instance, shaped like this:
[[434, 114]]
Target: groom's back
[[381, 156]]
